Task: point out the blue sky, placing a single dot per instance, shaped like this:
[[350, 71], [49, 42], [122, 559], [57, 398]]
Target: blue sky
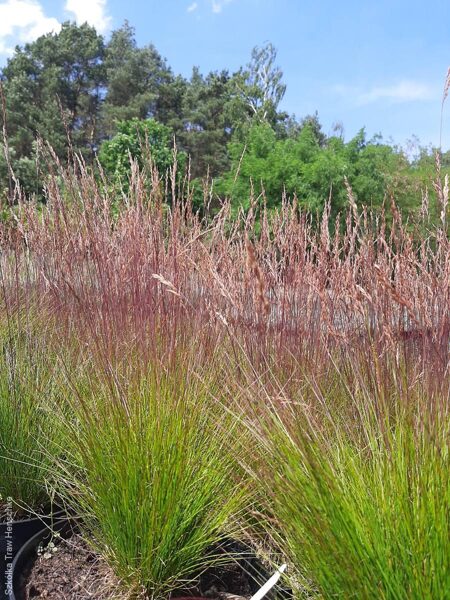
[[379, 64]]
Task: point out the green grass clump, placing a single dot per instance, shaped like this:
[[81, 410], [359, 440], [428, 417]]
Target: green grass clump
[[151, 475], [29, 430], [365, 516]]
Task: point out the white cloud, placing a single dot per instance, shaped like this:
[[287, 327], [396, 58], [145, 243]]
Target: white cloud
[[397, 93], [403, 91], [23, 21], [217, 5], [90, 11]]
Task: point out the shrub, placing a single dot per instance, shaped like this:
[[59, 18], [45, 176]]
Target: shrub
[[146, 142]]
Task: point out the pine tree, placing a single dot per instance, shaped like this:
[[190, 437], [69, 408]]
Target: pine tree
[[53, 90], [135, 79]]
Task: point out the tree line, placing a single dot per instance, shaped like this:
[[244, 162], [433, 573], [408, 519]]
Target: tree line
[[82, 94]]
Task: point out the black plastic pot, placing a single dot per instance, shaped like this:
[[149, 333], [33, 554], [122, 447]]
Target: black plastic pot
[[223, 579], [13, 536], [66, 527], [28, 552]]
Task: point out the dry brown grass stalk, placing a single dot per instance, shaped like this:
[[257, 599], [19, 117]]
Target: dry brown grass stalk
[[292, 291]]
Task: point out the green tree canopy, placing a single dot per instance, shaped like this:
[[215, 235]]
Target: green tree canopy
[[53, 89], [309, 167], [207, 122], [143, 141], [260, 85], [135, 79], [79, 94]]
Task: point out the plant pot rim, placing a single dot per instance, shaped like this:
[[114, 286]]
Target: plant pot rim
[[22, 557], [56, 514]]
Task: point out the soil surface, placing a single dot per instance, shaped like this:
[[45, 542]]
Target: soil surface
[[69, 570]]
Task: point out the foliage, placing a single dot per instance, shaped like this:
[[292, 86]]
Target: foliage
[[53, 89], [311, 168], [361, 489], [260, 85], [134, 79], [146, 142], [72, 90], [152, 475], [30, 434], [207, 122], [332, 348]]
